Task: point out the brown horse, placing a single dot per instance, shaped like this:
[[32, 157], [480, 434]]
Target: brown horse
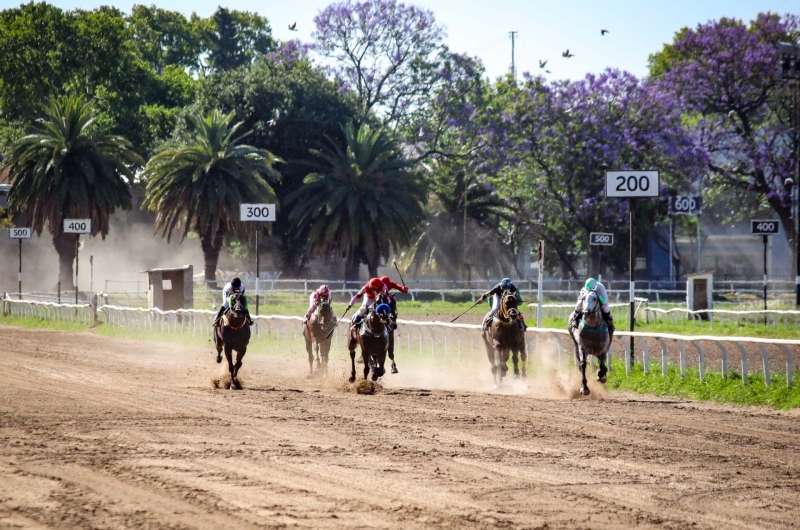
[[389, 300], [373, 338], [316, 333], [505, 335], [233, 334]]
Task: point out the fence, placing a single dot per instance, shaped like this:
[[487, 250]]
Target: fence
[[451, 340], [725, 317]]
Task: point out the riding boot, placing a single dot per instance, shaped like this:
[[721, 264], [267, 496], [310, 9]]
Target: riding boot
[[575, 319], [248, 317], [357, 322], [218, 317], [609, 320], [487, 321]]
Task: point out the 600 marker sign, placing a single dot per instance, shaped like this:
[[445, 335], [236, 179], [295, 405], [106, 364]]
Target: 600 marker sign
[[631, 184], [599, 238], [77, 226], [257, 212], [686, 205], [765, 226]]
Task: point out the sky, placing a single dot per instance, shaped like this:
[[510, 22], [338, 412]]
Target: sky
[[546, 27]]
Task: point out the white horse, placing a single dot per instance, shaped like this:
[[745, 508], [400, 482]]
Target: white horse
[[591, 337]]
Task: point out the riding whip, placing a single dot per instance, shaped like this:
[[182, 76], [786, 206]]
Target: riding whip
[[398, 273], [337, 323], [467, 311]]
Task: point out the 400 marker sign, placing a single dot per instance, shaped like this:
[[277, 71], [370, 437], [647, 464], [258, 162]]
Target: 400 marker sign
[[632, 184], [257, 212], [77, 226]]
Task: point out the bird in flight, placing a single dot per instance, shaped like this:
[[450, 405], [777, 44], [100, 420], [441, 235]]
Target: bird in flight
[[567, 54], [292, 27], [603, 32], [542, 63]]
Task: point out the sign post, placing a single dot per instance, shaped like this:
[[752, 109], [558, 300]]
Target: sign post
[[539, 288], [683, 205], [77, 227], [257, 213], [765, 228], [19, 234], [600, 239], [630, 185]]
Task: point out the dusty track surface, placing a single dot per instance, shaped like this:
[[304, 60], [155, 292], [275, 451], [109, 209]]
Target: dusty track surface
[[102, 433]]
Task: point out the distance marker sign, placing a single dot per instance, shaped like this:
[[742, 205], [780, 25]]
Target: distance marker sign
[[765, 227], [20, 233], [77, 226], [686, 205], [632, 184], [257, 212], [602, 239]]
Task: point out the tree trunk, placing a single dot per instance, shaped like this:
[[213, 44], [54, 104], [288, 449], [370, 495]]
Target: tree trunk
[[785, 215], [65, 247], [373, 270], [211, 248], [351, 269]]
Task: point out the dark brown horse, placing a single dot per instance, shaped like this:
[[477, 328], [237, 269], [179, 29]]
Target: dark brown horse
[[315, 332], [505, 335], [389, 300], [373, 338], [591, 337], [233, 334]]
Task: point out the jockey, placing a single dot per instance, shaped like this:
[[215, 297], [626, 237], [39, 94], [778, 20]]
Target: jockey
[[389, 284], [323, 294], [605, 309], [372, 289], [234, 286], [497, 294]]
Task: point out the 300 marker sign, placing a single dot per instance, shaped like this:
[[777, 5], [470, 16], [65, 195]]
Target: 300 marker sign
[[631, 184], [257, 212], [77, 226]]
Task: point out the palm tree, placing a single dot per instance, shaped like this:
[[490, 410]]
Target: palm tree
[[199, 185], [69, 166], [363, 200]]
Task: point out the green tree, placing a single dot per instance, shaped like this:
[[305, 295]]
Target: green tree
[[363, 200], [290, 107], [237, 37], [199, 185], [69, 167], [166, 38]]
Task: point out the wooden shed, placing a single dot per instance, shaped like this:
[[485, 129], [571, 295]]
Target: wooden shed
[[170, 289], [699, 290]]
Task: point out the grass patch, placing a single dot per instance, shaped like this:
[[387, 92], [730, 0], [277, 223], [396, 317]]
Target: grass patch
[[36, 323], [713, 388]]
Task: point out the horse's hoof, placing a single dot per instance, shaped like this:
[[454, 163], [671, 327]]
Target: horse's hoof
[[352, 379], [219, 359], [395, 370], [360, 360], [516, 376], [585, 391], [524, 377], [602, 379]]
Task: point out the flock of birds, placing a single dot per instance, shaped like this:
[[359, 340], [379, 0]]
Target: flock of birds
[[542, 64], [566, 54]]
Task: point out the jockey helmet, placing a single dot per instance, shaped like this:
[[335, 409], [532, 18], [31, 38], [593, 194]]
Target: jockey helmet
[[506, 282], [375, 284], [324, 291], [236, 283], [385, 280], [591, 284]]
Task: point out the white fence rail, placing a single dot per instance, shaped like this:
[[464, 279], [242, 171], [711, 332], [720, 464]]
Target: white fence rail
[[723, 317], [458, 340]]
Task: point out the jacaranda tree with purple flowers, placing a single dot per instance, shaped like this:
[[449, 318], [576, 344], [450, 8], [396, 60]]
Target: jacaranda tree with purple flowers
[[562, 136], [725, 74], [387, 52]]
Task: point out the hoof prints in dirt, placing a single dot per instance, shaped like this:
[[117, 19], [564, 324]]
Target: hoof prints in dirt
[[224, 381]]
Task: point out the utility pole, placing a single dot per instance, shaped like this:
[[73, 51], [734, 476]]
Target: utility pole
[[513, 34]]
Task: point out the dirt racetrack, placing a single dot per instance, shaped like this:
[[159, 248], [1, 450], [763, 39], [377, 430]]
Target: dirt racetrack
[[109, 433]]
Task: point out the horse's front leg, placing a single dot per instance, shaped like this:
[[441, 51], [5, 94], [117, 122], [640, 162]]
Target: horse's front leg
[[231, 369], [490, 353], [310, 353], [391, 352], [352, 347], [584, 387], [218, 345], [238, 365], [515, 360], [601, 373], [524, 356], [325, 350]]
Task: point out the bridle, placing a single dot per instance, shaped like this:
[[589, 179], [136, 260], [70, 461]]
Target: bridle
[[507, 314], [236, 308], [366, 329]]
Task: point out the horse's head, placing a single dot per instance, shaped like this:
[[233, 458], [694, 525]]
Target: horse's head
[[590, 308], [323, 312], [236, 303], [509, 310], [378, 318]]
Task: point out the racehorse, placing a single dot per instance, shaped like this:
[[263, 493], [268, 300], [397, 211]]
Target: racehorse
[[591, 338], [315, 332], [233, 334], [392, 303], [504, 335], [373, 338]]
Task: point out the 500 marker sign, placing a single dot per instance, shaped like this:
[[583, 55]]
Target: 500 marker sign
[[77, 226], [20, 233], [632, 184], [602, 239]]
